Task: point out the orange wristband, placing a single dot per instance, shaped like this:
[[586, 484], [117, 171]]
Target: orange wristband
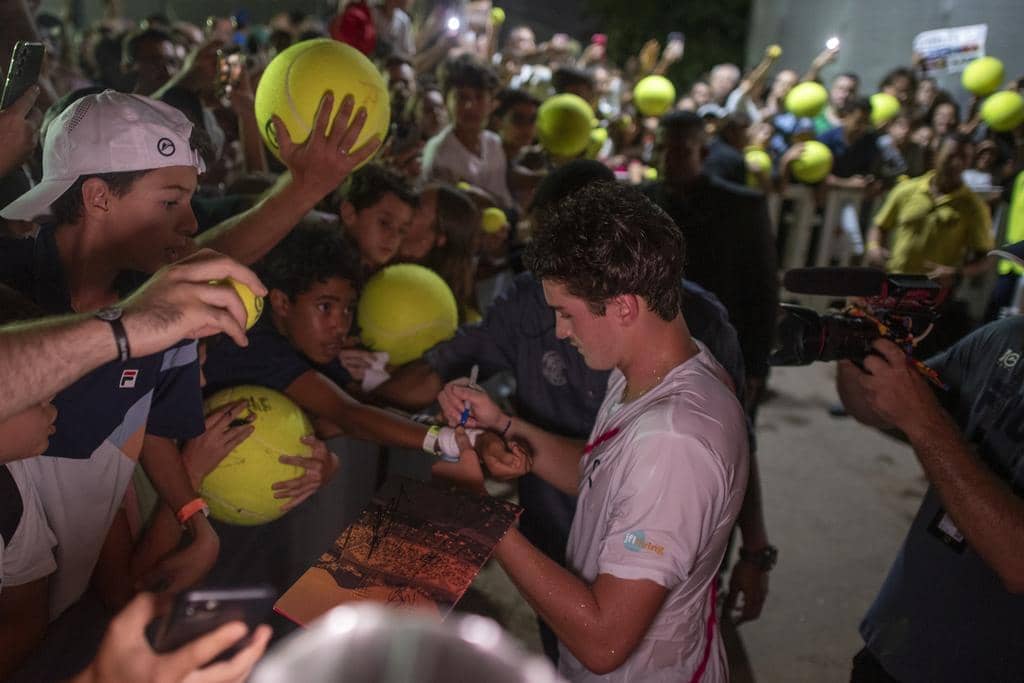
[[191, 508]]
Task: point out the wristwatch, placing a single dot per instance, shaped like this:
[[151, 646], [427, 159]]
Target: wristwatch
[[764, 559], [112, 315]]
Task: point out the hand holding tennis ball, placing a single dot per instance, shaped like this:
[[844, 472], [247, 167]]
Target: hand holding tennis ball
[[253, 304]]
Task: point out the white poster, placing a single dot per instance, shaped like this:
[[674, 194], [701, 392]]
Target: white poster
[[948, 50]]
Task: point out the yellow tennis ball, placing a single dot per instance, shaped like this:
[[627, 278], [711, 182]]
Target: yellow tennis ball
[[1003, 111], [813, 164], [654, 95], [493, 220], [774, 51], [296, 80], [807, 98], [983, 76], [406, 309], [757, 161], [884, 108], [598, 136], [564, 123], [238, 490], [253, 304], [497, 16]]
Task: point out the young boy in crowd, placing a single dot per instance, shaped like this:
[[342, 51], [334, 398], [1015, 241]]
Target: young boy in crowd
[[377, 208], [313, 277], [466, 151]]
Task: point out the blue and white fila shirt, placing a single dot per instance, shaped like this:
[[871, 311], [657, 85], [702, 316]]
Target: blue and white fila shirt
[[101, 422]]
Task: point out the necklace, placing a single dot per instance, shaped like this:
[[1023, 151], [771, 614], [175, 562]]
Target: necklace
[[657, 381]]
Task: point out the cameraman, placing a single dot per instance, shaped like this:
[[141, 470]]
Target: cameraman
[[951, 608]]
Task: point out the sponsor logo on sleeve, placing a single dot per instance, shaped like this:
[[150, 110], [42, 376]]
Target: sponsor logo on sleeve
[[636, 542]]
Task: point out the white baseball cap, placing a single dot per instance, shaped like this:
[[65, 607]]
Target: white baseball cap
[[109, 132]]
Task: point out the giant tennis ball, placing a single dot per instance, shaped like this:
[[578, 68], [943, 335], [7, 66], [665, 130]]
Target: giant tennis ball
[[1003, 111], [564, 123], [493, 220], [807, 98], [238, 489], [813, 164], [253, 304], [758, 162], [884, 108], [983, 76], [405, 309], [296, 80], [654, 95]]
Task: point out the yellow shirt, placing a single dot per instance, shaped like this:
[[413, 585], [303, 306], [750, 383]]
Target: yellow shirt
[[938, 229]]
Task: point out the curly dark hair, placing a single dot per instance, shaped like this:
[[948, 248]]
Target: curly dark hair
[[605, 240], [467, 71], [313, 252]]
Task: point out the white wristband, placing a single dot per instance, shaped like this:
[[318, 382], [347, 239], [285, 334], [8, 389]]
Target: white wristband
[[448, 449]]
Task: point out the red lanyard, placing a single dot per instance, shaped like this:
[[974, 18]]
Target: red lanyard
[[607, 436]]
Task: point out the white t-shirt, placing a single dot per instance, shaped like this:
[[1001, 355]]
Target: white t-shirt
[[657, 500], [396, 30], [446, 159], [29, 556]]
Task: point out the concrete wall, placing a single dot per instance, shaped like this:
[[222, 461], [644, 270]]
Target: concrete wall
[[877, 34]]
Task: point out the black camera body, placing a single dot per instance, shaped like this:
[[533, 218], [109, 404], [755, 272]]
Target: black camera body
[[901, 308]]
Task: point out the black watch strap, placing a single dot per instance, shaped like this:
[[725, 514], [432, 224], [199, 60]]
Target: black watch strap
[[764, 559], [113, 317]]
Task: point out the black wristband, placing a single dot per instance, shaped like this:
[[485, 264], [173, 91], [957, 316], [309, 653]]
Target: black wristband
[[124, 352], [113, 316]]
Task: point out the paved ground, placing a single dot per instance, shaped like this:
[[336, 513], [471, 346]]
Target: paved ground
[[838, 497]]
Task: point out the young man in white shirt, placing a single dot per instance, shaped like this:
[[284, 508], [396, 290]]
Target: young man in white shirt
[[661, 480], [466, 151]]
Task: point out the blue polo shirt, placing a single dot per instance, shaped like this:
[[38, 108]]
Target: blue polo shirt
[[101, 422], [270, 360]]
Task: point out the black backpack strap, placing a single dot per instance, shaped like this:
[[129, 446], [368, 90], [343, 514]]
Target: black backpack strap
[[11, 506]]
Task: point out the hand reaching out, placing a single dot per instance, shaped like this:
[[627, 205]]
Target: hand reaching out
[[320, 466]]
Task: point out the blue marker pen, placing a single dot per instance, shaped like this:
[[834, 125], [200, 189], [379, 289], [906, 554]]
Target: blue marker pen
[[473, 374]]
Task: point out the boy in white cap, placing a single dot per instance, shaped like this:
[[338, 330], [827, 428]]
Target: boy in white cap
[[118, 173]]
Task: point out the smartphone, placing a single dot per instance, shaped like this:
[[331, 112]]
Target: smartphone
[[23, 71], [198, 612]]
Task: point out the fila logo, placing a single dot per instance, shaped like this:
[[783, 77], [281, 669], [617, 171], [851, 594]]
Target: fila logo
[[128, 378], [1009, 359]]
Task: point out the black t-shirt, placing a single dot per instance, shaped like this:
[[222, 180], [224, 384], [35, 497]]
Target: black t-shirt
[[270, 360], [726, 162], [730, 251]]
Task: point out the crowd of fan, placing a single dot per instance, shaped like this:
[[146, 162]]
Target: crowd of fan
[[465, 90]]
